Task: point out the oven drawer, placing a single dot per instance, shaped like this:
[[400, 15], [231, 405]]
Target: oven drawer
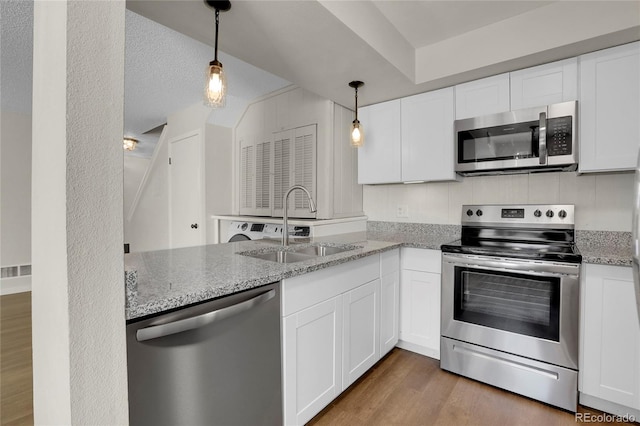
[[545, 382]]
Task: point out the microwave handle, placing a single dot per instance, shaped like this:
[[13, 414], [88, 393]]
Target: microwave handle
[[542, 138]]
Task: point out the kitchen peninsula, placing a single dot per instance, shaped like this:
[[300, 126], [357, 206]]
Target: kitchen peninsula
[[158, 281]]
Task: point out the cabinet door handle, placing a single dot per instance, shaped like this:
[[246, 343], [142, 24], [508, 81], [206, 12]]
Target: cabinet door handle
[[191, 323], [194, 226]]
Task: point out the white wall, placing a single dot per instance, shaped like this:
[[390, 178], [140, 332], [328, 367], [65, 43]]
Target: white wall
[[78, 303], [603, 201], [134, 170], [15, 198], [219, 171], [148, 227]]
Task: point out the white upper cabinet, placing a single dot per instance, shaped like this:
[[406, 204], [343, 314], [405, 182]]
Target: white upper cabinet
[[481, 97], [545, 84], [610, 109], [379, 160], [408, 139], [427, 136], [531, 87]]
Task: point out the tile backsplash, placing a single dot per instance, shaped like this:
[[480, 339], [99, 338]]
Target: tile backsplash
[[603, 201]]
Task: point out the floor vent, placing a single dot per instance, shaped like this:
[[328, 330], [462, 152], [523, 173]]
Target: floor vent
[[15, 271]]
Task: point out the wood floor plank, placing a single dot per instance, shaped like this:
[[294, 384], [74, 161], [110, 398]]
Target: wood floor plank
[[16, 371], [408, 389]]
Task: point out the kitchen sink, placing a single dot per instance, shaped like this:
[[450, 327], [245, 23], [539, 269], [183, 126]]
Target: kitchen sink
[[281, 256], [321, 250], [299, 254]]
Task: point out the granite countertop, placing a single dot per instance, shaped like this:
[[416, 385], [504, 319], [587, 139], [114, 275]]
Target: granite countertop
[[605, 247], [158, 281], [163, 280], [598, 247]]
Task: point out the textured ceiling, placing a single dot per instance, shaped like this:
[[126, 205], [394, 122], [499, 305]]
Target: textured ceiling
[[164, 73]]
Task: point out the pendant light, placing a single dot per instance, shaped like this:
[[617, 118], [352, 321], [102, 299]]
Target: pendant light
[[129, 144], [357, 133], [216, 83]]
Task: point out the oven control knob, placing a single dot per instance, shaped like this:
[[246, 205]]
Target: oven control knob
[[549, 213], [479, 212], [537, 213], [469, 212], [562, 214]]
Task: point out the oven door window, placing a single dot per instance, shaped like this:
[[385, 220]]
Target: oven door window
[[499, 143], [520, 303]]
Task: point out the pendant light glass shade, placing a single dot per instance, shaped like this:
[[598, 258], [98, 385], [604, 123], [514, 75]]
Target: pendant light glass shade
[[215, 85], [357, 134]]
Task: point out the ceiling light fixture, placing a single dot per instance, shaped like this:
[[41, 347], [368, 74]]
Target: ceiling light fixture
[[357, 134], [129, 144], [216, 83]]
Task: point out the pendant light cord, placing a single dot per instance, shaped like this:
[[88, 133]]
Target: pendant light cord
[[217, 24], [356, 104]]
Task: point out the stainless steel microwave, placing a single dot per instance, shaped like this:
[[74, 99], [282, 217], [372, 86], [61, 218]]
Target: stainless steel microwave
[[527, 140]]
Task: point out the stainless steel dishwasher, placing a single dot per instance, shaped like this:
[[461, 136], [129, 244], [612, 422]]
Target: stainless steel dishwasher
[[215, 363]]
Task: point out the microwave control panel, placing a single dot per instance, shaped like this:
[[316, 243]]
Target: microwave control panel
[[559, 136]]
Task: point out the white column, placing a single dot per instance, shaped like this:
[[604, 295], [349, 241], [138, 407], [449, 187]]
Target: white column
[[79, 348]]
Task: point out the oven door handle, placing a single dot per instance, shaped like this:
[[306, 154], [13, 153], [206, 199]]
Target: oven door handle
[[547, 268]]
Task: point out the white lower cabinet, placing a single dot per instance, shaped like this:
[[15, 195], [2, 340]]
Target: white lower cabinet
[[389, 300], [361, 349], [312, 360], [420, 301], [331, 331], [609, 375]]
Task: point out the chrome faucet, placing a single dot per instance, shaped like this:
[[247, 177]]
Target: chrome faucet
[[285, 213]]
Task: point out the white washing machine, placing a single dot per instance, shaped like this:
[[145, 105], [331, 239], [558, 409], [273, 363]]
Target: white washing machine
[[245, 231]]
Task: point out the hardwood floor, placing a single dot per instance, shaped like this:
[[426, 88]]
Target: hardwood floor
[[405, 388], [16, 385]]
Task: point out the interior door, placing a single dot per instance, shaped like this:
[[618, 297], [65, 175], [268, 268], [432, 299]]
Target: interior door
[[186, 191]]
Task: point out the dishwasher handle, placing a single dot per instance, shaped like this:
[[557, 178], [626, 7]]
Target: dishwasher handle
[[191, 323]]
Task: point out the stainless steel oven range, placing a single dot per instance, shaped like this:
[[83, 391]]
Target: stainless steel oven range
[[510, 297]]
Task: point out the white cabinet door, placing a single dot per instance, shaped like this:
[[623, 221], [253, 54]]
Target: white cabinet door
[[303, 170], [545, 84], [389, 311], [312, 360], [420, 312], [379, 160], [247, 175], [610, 109], [610, 336], [282, 158], [294, 163], [427, 136], [361, 346], [481, 97], [263, 185]]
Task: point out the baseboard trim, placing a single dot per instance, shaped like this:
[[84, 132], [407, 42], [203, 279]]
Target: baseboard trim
[[609, 407], [15, 285], [419, 349]]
